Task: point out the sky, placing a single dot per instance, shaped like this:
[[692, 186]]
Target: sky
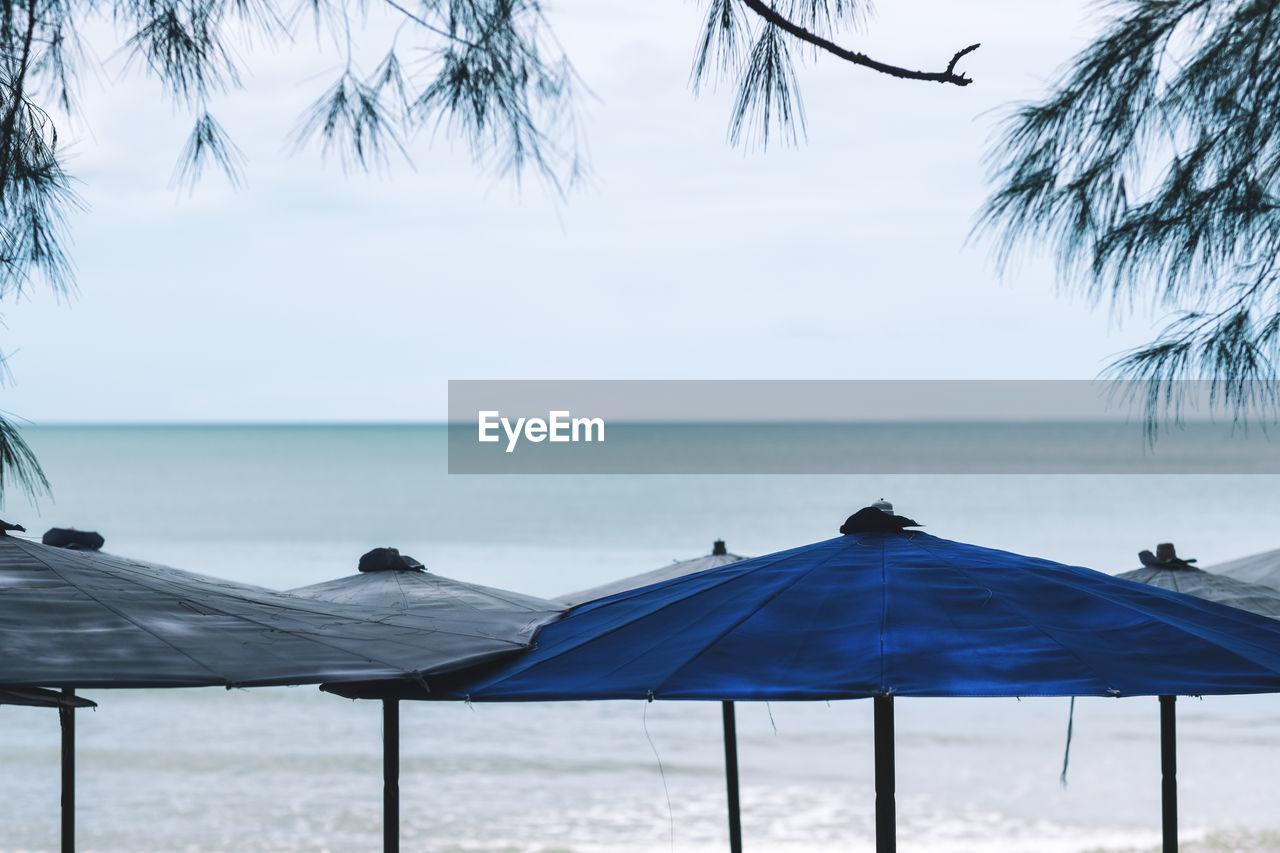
[[310, 294]]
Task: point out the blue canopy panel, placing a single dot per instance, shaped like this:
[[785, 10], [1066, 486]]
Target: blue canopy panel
[[884, 613]]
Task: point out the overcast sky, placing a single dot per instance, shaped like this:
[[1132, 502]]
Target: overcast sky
[[314, 295]]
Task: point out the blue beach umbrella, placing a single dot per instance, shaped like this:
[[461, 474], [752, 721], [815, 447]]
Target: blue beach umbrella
[[878, 612]]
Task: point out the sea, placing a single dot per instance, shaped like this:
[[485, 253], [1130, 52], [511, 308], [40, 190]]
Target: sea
[[294, 769]]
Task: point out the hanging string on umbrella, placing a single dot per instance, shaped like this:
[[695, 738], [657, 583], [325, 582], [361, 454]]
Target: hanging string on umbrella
[[671, 815], [1066, 752]]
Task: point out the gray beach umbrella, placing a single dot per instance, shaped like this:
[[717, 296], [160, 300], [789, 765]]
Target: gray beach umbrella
[[87, 619], [392, 583], [1168, 571], [79, 619], [1261, 568], [66, 701], [719, 556], [1165, 569]]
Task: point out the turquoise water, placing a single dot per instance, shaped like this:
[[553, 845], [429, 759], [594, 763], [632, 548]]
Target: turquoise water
[[295, 770]]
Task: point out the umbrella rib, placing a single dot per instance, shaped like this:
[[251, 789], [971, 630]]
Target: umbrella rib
[[400, 586], [955, 568], [884, 614], [121, 614], [455, 594], [624, 596], [517, 600], [1211, 641], [1189, 630]]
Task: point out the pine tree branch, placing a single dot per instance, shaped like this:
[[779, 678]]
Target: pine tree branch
[[949, 76], [430, 27], [9, 127]]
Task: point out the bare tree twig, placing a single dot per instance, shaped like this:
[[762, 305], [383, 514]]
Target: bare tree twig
[[949, 76]]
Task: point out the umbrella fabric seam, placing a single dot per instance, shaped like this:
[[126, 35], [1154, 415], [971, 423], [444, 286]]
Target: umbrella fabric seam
[[769, 600], [1018, 610], [1233, 612], [884, 613], [150, 633], [1195, 633]]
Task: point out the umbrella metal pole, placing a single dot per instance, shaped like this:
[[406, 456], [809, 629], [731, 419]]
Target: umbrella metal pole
[[1169, 774], [390, 775], [731, 777], [886, 813], [67, 718]]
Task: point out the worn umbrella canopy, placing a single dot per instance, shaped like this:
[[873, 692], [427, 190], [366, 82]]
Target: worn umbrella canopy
[[1167, 570], [86, 619], [83, 619], [389, 582], [1261, 568], [879, 612], [719, 556]]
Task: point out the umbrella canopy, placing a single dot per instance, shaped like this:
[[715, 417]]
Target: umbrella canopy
[[719, 556], [1167, 571], [85, 619], [884, 611], [392, 583], [1261, 568]]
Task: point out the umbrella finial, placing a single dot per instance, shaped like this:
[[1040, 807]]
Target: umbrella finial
[[388, 560], [876, 519], [718, 548], [72, 539], [1165, 557]]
